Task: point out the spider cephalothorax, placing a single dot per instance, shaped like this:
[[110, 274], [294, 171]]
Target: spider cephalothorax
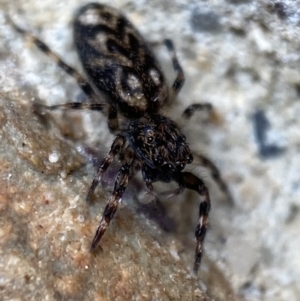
[[159, 144], [120, 65]]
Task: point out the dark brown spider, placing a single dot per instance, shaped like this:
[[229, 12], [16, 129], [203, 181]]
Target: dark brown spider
[[123, 72]]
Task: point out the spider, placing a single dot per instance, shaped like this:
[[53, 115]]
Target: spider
[[124, 75]]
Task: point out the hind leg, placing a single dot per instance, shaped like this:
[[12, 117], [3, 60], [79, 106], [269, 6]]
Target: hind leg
[[82, 83], [109, 111]]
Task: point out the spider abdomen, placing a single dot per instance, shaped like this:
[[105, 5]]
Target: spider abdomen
[[118, 61]]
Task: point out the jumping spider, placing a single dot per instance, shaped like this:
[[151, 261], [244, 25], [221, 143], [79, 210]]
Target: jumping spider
[[123, 73]]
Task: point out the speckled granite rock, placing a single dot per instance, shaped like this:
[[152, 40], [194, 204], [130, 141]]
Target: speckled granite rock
[[240, 56]]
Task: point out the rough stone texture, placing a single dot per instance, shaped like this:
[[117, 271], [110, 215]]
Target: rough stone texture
[[244, 59], [46, 230]]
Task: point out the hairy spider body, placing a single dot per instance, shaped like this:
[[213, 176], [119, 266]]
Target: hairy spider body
[[124, 74], [159, 144]]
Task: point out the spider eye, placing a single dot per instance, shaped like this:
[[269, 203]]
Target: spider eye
[[150, 139], [168, 166], [189, 159], [157, 161], [180, 166], [149, 134]]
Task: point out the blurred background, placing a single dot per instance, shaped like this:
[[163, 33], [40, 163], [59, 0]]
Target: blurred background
[[241, 56]]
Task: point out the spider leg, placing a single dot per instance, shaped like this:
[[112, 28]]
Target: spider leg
[[216, 175], [179, 81], [190, 181], [147, 195], [190, 110], [82, 83], [116, 197], [109, 111], [117, 145]]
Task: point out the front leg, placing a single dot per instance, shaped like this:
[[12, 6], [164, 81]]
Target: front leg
[[216, 175], [117, 145], [116, 197], [147, 195], [192, 182]]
